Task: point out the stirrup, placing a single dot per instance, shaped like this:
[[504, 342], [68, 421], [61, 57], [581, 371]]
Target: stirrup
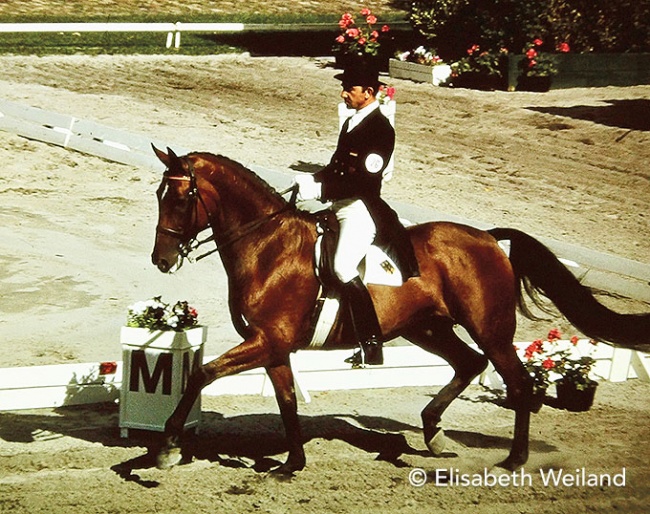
[[367, 355]]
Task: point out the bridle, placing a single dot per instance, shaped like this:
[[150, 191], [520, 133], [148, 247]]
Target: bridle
[[187, 237]]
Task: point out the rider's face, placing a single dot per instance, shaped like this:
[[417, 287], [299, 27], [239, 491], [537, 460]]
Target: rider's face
[[357, 97]]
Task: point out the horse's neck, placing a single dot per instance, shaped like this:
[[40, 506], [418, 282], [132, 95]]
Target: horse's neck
[[241, 202], [243, 198]]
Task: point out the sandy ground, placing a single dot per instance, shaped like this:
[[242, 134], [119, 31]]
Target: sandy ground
[[75, 238]]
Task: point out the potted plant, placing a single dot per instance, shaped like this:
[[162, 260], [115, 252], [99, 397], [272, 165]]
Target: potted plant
[[161, 345], [559, 362], [480, 69], [420, 65], [537, 68], [154, 314], [358, 41]]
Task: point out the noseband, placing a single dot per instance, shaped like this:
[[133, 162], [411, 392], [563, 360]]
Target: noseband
[[186, 236]]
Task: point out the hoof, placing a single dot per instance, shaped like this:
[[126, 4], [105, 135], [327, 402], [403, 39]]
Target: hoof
[[437, 443], [168, 458], [511, 464]]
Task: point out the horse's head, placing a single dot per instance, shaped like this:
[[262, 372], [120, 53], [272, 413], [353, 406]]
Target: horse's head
[[179, 217]]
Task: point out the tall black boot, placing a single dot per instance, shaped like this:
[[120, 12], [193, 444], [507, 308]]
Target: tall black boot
[[366, 324]]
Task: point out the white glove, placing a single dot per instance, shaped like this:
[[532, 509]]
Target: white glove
[[308, 188]]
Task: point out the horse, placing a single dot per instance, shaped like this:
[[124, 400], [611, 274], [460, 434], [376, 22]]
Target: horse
[[267, 245]]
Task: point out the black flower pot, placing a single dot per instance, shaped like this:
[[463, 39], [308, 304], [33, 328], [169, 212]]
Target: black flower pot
[[571, 398], [534, 84]]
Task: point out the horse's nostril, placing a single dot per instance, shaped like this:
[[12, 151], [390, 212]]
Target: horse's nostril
[[163, 265]]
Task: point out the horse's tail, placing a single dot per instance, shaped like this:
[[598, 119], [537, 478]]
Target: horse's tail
[[537, 269]]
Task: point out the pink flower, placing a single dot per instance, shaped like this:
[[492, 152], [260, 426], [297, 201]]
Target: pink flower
[[374, 35], [365, 12], [563, 47], [346, 20], [385, 28], [361, 40], [531, 53], [532, 63], [353, 32], [371, 19], [472, 49], [340, 39], [390, 92], [538, 42]]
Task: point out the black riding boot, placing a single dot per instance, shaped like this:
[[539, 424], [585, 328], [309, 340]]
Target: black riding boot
[[366, 325]]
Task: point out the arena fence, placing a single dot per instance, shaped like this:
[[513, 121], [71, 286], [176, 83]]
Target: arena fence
[[405, 366]]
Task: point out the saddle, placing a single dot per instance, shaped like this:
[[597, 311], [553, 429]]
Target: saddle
[[376, 268]]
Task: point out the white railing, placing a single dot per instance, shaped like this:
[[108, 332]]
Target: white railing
[[173, 29]]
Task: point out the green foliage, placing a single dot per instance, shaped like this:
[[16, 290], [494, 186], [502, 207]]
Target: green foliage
[[452, 26]]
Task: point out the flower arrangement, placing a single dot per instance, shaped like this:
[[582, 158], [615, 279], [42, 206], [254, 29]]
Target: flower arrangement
[[155, 314], [420, 56], [536, 63], [483, 62], [546, 358], [385, 94], [358, 40]]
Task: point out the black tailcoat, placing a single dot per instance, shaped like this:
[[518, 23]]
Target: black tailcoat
[[346, 177]]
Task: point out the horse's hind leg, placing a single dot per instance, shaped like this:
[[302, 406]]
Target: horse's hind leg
[[437, 336]]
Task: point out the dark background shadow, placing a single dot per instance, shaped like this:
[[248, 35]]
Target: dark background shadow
[[633, 114]]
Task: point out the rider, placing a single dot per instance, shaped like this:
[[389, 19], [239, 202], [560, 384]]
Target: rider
[[352, 181]]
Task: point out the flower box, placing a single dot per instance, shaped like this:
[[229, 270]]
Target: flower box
[[156, 367], [591, 70], [435, 75]]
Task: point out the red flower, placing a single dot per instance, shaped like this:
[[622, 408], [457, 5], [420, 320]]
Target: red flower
[[538, 42], [563, 47], [554, 334], [374, 35], [548, 363], [361, 40], [385, 28], [365, 12], [533, 348], [472, 49], [371, 19], [574, 340], [531, 53]]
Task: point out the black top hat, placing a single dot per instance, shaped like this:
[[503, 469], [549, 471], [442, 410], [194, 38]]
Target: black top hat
[[359, 72]]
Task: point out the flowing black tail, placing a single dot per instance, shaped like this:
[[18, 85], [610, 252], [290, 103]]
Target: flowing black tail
[[538, 269]]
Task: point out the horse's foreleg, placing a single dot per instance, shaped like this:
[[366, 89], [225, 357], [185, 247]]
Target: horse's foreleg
[[252, 353], [282, 379], [438, 337]]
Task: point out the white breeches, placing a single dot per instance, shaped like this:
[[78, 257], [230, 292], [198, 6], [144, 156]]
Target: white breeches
[[357, 232]]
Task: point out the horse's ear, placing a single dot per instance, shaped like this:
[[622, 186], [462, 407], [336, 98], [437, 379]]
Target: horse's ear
[[164, 158], [175, 163]]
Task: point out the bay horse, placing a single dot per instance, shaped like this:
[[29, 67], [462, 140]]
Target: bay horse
[[267, 249]]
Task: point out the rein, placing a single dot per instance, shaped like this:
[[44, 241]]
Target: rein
[[230, 236]]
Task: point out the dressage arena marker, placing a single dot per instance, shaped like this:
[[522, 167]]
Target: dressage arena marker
[[70, 384]]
